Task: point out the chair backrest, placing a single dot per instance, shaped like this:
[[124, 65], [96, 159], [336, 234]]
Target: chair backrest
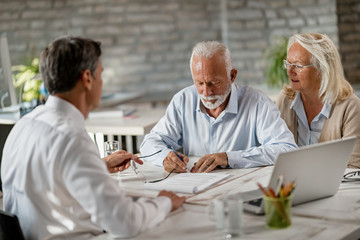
[[10, 227], [4, 132]]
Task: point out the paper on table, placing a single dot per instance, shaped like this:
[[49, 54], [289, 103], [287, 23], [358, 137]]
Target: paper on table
[[192, 161], [188, 182]]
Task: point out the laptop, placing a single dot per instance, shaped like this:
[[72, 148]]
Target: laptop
[[317, 170]]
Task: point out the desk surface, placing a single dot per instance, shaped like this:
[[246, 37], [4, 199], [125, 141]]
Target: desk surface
[[337, 217], [138, 123]]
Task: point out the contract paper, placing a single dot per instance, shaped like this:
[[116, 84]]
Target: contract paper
[[188, 182]]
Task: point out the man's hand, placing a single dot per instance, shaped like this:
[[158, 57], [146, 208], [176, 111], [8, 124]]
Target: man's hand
[[120, 160], [176, 201], [209, 162], [172, 162]]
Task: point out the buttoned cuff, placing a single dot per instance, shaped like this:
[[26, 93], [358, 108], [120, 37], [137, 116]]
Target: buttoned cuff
[[233, 159]]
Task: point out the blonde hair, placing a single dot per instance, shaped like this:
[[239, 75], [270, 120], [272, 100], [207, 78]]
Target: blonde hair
[[209, 49], [326, 59]]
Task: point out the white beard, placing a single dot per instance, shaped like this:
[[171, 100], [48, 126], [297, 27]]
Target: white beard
[[220, 99]]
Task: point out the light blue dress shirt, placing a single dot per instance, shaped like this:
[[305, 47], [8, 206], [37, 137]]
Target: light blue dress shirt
[[249, 129], [309, 135]]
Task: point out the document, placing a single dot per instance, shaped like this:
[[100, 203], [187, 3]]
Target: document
[[192, 161], [188, 182]]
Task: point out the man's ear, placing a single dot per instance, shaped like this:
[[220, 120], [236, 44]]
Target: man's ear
[[233, 74], [85, 79]]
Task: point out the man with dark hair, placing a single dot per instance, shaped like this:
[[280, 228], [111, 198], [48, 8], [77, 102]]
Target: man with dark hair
[[80, 54], [53, 177]]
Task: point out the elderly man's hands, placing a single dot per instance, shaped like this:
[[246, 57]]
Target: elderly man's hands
[[172, 162], [120, 160], [209, 162]]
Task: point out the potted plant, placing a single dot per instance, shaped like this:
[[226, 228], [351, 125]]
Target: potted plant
[[275, 72], [27, 80], [28, 85]]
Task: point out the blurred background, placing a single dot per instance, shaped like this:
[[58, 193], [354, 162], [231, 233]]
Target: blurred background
[[147, 43]]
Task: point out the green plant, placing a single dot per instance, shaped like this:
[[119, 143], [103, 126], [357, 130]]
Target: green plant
[[275, 72], [27, 80]]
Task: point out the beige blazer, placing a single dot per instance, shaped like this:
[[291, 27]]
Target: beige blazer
[[344, 121]]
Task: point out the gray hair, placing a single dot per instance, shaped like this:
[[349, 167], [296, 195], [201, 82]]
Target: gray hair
[[208, 50], [326, 59]]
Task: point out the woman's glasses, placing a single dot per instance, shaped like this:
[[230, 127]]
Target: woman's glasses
[[295, 67]]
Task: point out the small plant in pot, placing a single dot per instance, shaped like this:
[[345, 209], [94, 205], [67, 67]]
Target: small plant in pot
[[275, 72], [27, 83]]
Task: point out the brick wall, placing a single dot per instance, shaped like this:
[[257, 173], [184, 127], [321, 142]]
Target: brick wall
[[147, 43], [349, 37], [256, 25]]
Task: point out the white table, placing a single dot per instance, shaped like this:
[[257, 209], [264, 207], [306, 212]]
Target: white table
[[337, 217], [137, 124]]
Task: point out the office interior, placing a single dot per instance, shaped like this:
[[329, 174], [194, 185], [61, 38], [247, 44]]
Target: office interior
[[147, 46]]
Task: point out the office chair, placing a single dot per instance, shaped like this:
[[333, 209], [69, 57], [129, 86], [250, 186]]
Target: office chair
[[4, 132], [10, 227]]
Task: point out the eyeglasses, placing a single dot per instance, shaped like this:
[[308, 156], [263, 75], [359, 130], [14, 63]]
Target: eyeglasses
[[150, 154], [141, 175], [351, 176], [295, 67]]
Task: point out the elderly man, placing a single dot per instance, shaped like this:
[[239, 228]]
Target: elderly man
[[53, 177], [226, 125]]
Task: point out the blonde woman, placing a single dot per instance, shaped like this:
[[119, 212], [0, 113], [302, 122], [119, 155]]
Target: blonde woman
[[319, 104]]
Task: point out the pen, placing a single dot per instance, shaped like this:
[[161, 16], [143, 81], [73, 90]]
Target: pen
[[179, 157], [263, 190], [279, 184], [176, 153], [289, 188]]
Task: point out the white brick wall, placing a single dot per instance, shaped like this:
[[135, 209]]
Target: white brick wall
[[349, 35], [147, 44]]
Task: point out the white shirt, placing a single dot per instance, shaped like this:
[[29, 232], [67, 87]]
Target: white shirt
[[250, 129], [55, 181], [309, 135]]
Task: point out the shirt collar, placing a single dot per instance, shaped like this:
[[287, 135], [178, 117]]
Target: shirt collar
[[326, 108], [67, 108], [232, 105], [199, 106], [297, 103]]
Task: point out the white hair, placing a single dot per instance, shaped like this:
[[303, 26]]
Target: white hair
[[326, 59], [208, 50]]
